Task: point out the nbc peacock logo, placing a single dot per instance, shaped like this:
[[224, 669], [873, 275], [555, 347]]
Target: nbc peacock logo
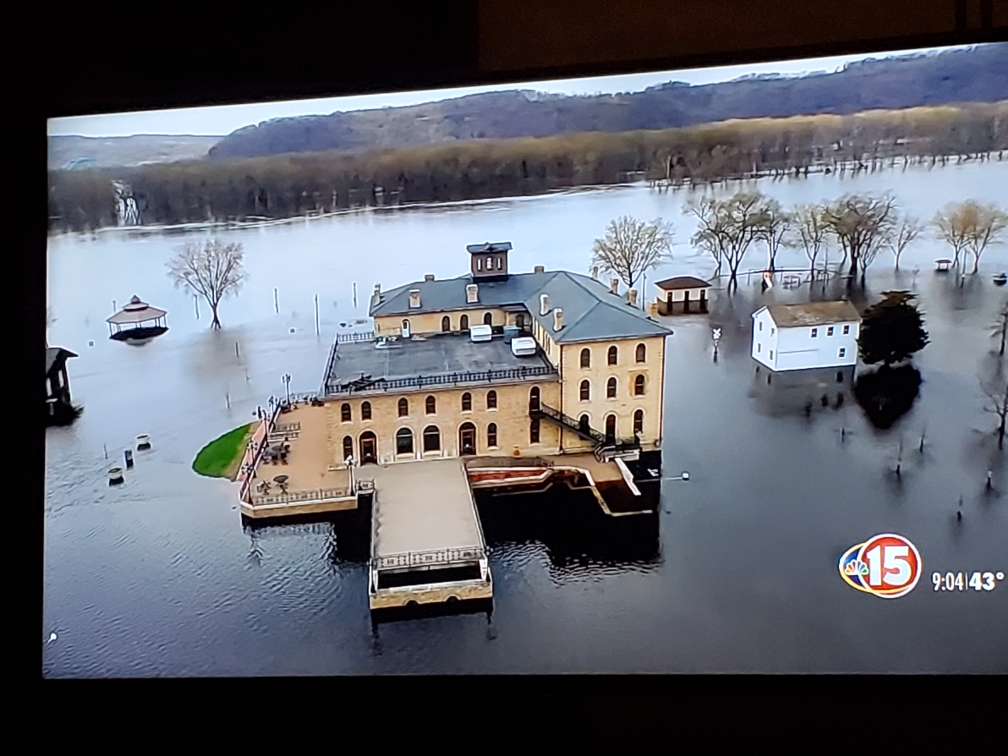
[[886, 565]]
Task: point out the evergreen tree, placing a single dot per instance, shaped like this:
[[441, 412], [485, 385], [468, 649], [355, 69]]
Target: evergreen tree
[[892, 330]]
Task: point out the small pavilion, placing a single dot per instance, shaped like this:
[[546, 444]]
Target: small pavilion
[[682, 294], [137, 321]]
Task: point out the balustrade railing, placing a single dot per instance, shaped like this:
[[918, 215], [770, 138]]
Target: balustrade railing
[[438, 558], [444, 379]]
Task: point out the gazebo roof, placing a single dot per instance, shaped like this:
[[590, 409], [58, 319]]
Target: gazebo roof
[[682, 282], [56, 356], [136, 311]]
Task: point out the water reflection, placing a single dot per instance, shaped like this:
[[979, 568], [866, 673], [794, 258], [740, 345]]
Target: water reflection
[[888, 393], [801, 392]]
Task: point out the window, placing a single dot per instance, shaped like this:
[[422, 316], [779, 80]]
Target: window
[[491, 399], [464, 323], [612, 355], [846, 330], [430, 407], [467, 402], [610, 428], [761, 325], [585, 391], [771, 354], [492, 434], [829, 331], [445, 324], [365, 410], [431, 438], [842, 352], [815, 332], [404, 441], [638, 422], [403, 407], [641, 353], [773, 331], [500, 262], [479, 263], [610, 390], [345, 416], [584, 424], [347, 448], [488, 319], [585, 358], [534, 431], [759, 348], [638, 386], [534, 399]]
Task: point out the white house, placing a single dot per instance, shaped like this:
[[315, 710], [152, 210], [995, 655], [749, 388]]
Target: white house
[[803, 336]]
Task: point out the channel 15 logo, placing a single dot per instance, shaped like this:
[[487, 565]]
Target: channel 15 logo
[[886, 565]]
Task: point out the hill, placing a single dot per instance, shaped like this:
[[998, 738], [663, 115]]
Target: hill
[[75, 152], [954, 76]]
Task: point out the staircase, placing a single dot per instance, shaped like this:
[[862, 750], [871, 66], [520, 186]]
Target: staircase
[[602, 447]]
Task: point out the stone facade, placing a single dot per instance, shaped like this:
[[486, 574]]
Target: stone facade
[[431, 322]]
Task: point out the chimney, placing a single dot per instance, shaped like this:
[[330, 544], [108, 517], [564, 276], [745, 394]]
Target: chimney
[[472, 293], [594, 272], [429, 277], [557, 319], [614, 285], [539, 269], [376, 297], [632, 297], [544, 304], [414, 298], [652, 309]]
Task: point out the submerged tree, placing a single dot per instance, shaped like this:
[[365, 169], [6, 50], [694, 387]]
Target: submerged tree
[[773, 226], [891, 330], [996, 391], [1001, 326], [212, 270], [728, 227], [809, 231], [988, 225], [631, 247], [952, 224], [905, 232], [861, 224]]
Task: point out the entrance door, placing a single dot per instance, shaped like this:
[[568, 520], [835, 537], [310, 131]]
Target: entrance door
[[610, 429], [685, 301], [405, 329], [467, 439], [669, 304], [368, 448], [703, 300]]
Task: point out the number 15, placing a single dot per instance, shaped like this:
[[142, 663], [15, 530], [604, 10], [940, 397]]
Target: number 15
[[894, 558]]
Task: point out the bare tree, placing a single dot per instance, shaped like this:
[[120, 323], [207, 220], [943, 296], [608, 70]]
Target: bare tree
[[212, 270], [809, 231], [996, 391], [861, 224], [952, 224], [989, 223], [631, 247], [905, 232], [772, 229], [1000, 326], [728, 227]]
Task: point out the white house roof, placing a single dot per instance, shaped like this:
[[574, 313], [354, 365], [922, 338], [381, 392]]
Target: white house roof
[[812, 314]]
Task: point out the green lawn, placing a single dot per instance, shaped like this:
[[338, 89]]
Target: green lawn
[[222, 456]]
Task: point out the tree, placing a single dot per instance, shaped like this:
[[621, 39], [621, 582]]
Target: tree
[[905, 232], [212, 270], [773, 227], [952, 223], [631, 247], [728, 227], [988, 224], [996, 391], [891, 330], [1001, 326], [861, 224], [809, 231]]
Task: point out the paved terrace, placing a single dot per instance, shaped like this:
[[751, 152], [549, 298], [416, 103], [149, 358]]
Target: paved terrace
[[309, 479], [418, 363]]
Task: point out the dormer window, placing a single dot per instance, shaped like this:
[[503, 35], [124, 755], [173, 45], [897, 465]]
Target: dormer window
[[815, 332]]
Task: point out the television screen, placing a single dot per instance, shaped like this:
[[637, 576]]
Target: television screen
[[695, 371]]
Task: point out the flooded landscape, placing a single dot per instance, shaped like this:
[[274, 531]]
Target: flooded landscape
[[738, 573]]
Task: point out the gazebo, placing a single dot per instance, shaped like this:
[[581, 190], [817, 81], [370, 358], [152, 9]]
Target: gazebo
[[137, 322], [682, 294], [59, 409]]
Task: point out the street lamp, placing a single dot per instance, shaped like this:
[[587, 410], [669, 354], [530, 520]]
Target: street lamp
[[684, 476]]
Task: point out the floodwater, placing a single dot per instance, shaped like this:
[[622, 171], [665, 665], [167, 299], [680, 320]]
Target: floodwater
[[159, 577]]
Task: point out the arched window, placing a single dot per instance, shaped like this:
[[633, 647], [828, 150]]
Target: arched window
[[445, 324], [491, 399], [431, 438], [613, 353], [610, 428], [403, 407], [345, 413], [638, 386], [641, 353], [430, 407], [610, 389], [534, 399], [466, 402], [404, 441], [585, 358], [492, 435], [585, 391], [464, 323], [584, 423], [347, 448], [365, 410], [488, 319], [534, 431], [638, 422]]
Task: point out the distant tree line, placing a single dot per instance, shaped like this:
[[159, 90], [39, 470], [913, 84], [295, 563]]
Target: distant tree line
[[284, 186]]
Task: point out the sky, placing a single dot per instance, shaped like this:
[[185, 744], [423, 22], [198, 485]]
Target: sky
[[222, 120]]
